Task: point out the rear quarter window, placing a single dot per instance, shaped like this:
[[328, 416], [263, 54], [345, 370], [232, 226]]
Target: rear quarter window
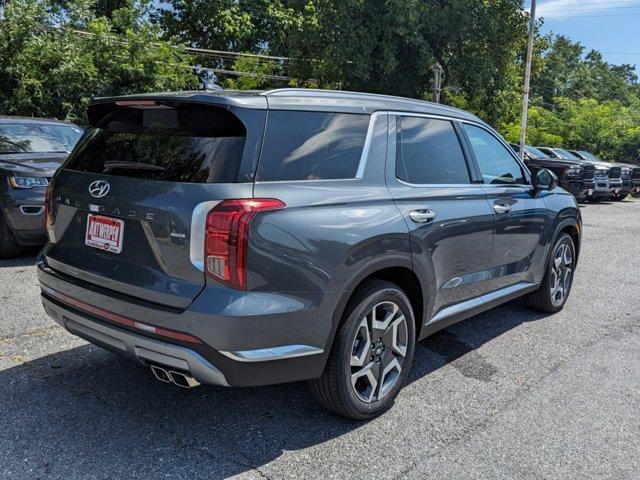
[[312, 146]]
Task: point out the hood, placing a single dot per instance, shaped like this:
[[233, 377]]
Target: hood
[[559, 161], [39, 164]]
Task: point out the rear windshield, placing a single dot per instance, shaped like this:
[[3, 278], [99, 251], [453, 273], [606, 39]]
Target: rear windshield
[[188, 143], [312, 146], [27, 137]]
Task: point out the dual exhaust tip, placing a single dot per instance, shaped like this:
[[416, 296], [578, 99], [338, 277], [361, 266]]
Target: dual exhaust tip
[[180, 379]]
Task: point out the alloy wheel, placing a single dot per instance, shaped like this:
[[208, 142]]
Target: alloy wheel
[[561, 273], [378, 351]]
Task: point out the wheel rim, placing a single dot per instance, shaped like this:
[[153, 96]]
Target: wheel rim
[[378, 352], [561, 273]]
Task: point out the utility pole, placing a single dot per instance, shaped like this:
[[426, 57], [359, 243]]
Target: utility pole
[[527, 78], [437, 82]]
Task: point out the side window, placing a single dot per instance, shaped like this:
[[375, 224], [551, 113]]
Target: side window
[[429, 152], [312, 145], [497, 165]]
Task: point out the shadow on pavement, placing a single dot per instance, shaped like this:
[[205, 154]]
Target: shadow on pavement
[[87, 410], [24, 261]]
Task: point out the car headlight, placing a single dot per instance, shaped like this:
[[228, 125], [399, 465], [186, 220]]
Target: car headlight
[[626, 173], [573, 172], [601, 173], [28, 182]]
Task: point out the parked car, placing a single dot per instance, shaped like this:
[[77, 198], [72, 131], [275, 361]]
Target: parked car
[[574, 176], [608, 182], [31, 149], [630, 175], [322, 234]]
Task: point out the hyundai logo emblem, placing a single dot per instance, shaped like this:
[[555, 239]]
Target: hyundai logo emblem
[[99, 188]]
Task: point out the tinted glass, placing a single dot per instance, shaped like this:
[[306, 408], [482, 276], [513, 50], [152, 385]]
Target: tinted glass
[[19, 137], [428, 152], [189, 143], [533, 151], [497, 165], [312, 145], [590, 156], [567, 154]]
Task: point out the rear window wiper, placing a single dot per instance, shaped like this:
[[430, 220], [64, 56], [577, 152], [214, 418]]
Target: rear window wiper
[[120, 165]]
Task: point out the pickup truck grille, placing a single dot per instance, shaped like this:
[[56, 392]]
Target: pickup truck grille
[[587, 171], [615, 172], [636, 173]]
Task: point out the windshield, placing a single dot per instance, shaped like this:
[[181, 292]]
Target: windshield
[[590, 156], [26, 137], [534, 152], [566, 154]]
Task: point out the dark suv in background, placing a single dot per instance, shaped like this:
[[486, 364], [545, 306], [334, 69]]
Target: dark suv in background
[[608, 181], [31, 150], [251, 238], [630, 174], [574, 176]]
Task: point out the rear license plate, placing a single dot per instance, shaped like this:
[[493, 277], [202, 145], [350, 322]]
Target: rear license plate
[[104, 233], [590, 191], [616, 191]]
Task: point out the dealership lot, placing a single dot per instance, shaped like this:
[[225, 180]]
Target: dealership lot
[[509, 393]]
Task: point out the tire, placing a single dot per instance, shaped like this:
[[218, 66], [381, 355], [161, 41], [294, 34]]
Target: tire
[[360, 352], [9, 246], [550, 297]]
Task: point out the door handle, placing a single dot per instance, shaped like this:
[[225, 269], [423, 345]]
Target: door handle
[[502, 208], [422, 216]]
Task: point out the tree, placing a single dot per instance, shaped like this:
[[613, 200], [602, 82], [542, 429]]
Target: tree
[[49, 69]]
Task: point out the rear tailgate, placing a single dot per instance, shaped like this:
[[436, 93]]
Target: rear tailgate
[[128, 209]]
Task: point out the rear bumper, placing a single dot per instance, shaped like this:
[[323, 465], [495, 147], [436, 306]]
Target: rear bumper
[[145, 351], [267, 345]]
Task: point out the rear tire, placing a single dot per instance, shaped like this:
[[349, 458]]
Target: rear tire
[[9, 246], [554, 290], [371, 353]]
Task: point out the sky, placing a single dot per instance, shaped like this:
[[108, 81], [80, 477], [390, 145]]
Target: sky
[[610, 26]]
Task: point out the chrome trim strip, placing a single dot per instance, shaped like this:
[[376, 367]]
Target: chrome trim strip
[[367, 144], [39, 212], [273, 353], [478, 301], [196, 235]]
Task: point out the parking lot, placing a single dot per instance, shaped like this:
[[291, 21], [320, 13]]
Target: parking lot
[[508, 394]]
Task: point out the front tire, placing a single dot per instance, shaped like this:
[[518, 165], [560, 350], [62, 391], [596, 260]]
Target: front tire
[[554, 290], [371, 353]]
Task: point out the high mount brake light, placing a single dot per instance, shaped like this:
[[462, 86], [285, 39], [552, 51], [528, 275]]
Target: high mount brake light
[[226, 235]]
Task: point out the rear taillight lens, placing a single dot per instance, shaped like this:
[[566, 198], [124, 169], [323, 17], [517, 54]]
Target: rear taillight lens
[[48, 221], [225, 242]]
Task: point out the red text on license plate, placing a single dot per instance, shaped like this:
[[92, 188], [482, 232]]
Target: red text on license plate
[[104, 233]]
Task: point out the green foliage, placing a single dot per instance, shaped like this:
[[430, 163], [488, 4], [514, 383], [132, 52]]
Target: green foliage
[[47, 69]]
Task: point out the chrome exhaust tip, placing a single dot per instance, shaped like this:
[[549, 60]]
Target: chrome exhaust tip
[[183, 380], [160, 373]]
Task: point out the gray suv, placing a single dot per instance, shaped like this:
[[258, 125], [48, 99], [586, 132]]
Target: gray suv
[[251, 238]]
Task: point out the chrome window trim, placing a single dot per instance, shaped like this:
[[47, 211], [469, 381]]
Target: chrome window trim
[[362, 163]]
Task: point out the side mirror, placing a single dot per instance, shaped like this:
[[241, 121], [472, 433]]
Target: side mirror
[[544, 180]]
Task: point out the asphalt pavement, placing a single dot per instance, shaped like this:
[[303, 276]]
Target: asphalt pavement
[[510, 393]]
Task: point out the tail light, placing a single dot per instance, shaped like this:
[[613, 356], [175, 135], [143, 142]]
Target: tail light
[[225, 242], [48, 221]]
